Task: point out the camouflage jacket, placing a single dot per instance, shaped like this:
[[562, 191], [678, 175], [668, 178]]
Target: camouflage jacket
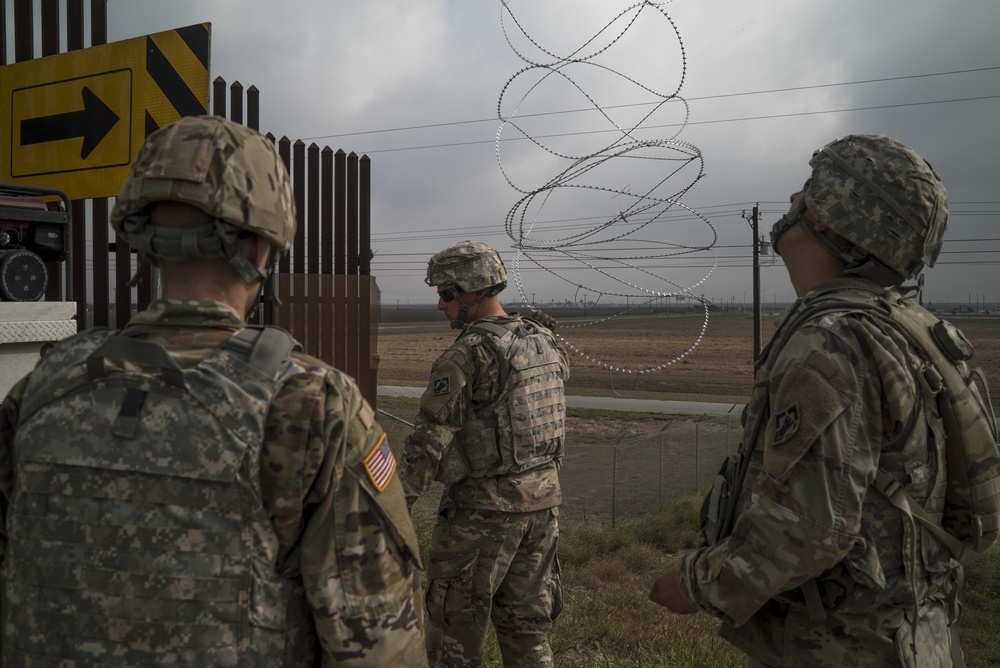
[[352, 546], [463, 381], [837, 403]]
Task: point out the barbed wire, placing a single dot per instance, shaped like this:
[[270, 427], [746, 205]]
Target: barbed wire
[[626, 183]]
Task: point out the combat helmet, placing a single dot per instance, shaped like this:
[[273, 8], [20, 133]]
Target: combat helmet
[[469, 266], [228, 171], [885, 200]]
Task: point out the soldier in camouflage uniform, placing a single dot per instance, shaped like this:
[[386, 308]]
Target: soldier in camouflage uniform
[[493, 550], [191, 491], [812, 565]]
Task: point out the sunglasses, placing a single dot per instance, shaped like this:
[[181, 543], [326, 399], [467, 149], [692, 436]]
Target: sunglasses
[[448, 295]]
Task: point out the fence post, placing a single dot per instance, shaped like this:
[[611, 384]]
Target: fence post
[[614, 483], [697, 451], [661, 470]]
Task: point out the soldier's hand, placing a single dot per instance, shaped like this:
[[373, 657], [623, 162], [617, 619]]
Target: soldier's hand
[[666, 592], [545, 319]]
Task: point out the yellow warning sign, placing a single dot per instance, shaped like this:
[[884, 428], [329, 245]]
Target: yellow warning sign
[[74, 121]]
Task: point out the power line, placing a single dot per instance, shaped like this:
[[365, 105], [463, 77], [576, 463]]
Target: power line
[[689, 123], [641, 104]]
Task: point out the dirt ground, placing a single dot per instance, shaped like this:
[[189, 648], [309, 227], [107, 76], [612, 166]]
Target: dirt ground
[[718, 369]]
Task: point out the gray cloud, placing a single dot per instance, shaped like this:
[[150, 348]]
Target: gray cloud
[[349, 69]]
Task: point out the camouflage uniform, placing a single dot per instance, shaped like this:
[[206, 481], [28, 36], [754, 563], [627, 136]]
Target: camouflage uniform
[[345, 549], [837, 402], [493, 550]]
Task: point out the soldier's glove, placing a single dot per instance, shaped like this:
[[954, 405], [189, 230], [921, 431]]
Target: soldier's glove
[[545, 319]]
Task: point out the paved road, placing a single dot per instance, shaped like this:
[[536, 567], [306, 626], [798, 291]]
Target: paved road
[[608, 403]]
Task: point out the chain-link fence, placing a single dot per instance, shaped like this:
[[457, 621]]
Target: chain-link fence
[[604, 482]]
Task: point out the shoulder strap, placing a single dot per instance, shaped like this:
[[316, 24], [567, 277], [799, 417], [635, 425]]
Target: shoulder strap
[[264, 348], [893, 490], [499, 339]]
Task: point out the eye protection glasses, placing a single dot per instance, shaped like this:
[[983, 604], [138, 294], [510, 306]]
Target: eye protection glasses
[[448, 295]]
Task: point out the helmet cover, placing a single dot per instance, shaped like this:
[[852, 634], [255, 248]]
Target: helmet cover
[[228, 171], [881, 196], [468, 265]]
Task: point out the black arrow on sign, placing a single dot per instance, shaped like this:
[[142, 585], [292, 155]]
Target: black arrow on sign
[[93, 123]]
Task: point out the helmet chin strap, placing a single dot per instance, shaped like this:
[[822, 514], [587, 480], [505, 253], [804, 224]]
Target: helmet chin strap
[[459, 321], [785, 223], [267, 286]]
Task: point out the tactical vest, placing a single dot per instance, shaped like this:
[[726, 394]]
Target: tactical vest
[[137, 533], [526, 426]]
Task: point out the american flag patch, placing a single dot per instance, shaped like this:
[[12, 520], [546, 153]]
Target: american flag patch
[[380, 464]]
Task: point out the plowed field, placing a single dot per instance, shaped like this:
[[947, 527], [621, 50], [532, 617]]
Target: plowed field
[[718, 369]]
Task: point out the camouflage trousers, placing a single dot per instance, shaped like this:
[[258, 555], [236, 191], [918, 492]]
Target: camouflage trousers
[[491, 566]]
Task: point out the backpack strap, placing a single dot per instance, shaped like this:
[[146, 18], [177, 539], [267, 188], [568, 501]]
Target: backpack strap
[[897, 495]]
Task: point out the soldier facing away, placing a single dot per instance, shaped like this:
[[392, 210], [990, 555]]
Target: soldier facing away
[[189, 490], [814, 564], [490, 427]]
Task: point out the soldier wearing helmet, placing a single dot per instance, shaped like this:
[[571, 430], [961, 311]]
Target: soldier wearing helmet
[[806, 560], [472, 268], [490, 427], [196, 480]]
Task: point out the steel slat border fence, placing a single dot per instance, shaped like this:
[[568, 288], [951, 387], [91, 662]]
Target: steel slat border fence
[[329, 299]]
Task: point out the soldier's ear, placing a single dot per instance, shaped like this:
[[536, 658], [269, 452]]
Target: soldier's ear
[[258, 251]]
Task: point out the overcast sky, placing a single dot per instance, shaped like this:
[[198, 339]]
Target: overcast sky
[[415, 85]]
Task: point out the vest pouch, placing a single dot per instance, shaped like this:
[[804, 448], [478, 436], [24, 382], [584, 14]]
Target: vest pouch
[[478, 441], [926, 643], [453, 467], [716, 504], [537, 415]]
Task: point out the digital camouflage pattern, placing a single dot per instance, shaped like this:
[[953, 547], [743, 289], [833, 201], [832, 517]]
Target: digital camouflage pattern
[[469, 265], [327, 547], [882, 197], [495, 542], [230, 172], [835, 404], [512, 556]]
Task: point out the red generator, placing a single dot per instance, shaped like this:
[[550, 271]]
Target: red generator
[[35, 235]]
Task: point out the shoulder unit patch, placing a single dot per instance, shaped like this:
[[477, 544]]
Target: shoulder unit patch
[[786, 423]]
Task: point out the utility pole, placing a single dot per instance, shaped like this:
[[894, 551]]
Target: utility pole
[[754, 218]]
